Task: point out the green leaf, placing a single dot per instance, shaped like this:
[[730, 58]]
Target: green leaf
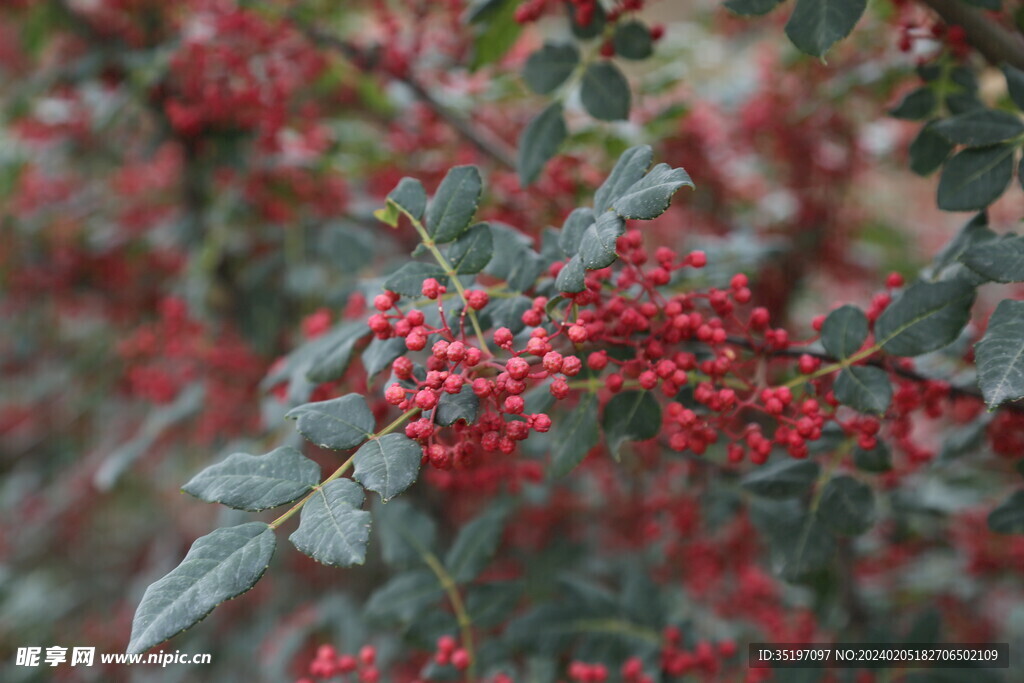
[[338, 424], [817, 25], [999, 260], [974, 178], [574, 436], [928, 151], [572, 230], [632, 40], [590, 30], [605, 92], [844, 331], [629, 169], [916, 105], [454, 203], [410, 197], [219, 566], [994, 5], [540, 142], [799, 542], [1008, 518], [550, 66], [782, 479], [572, 277], [1000, 355], [404, 596], [333, 359], [381, 353], [405, 533], [476, 544], [630, 416], [454, 407], [1015, 84], [388, 465], [878, 459], [256, 482], [864, 388], [980, 127], [847, 506], [333, 527], [597, 247], [946, 264], [493, 604], [650, 196], [966, 439], [408, 280], [750, 8], [514, 260], [496, 31], [472, 252], [506, 312], [926, 317]]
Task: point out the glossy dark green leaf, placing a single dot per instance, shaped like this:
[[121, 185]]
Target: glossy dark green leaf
[[540, 142], [864, 388], [408, 280], [514, 259], [550, 66], [629, 169], [572, 230], [632, 40], [471, 253], [980, 128], [333, 528], [219, 566], [388, 465], [575, 434], [752, 7], [597, 246], [572, 277], [630, 416], [974, 178], [1015, 84], [1008, 518], [844, 331], [1000, 355], [847, 506], [916, 105], [926, 317], [334, 356], [454, 204], [650, 196], [256, 482], [816, 25], [454, 407], [604, 92], [947, 263], [410, 196], [338, 424], [928, 151], [998, 260], [476, 544], [786, 478], [381, 353]]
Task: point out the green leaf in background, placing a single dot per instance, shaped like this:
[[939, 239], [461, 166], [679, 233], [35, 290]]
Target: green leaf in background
[[1000, 354], [476, 544], [574, 436], [782, 479], [926, 317], [876, 460], [605, 92], [219, 566], [472, 252], [405, 533], [514, 259], [749, 8], [404, 596], [597, 247], [1015, 84], [408, 280], [388, 465], [550, 66], [454, 407], [864, 388], [916, 105], [630, 416], [410, 196], [1008, 518], [844, 331], [495, 31], [629, 169], [592, 29], [572, 230], [338, 424], [929, 150], [947, 265], [333, 528], [999, 260], [632, 40], [650, 196], [994, 5], [540, 142], [800, 544], [980, 127], [381, 353], [256, 482], [333, 359], [817, 25], [454, 203], [974, 178], [847, 506], [572, 277]]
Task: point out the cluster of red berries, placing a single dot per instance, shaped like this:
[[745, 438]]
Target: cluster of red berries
[[328, 663]]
